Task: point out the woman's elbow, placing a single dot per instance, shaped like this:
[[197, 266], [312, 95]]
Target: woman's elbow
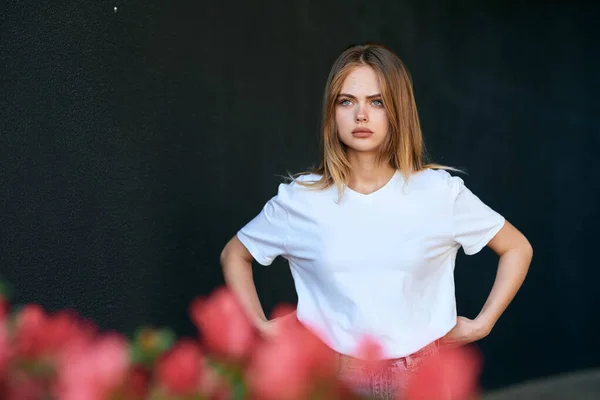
[[524, 247], [528, 249], [234, 250]]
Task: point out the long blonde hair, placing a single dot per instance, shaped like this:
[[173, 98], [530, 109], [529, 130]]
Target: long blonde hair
[[403, 149]]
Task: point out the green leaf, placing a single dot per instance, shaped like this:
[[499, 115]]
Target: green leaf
[[148, 344], [239, 389]]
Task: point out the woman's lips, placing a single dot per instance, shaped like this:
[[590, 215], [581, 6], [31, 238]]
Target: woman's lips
[[362, 132]]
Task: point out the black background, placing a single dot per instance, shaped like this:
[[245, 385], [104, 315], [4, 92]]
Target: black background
[[133, 145]]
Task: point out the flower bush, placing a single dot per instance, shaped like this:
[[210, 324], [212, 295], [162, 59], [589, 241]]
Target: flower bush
[[61, 356]]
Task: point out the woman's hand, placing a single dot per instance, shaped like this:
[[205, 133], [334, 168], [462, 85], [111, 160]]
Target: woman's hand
[[464, 332], [270, 328]]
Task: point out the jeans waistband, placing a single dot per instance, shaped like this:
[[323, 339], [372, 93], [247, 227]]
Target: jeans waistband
[[426, 350]]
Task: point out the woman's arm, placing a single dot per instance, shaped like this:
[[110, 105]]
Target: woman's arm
[[236, 262], [515, 254]]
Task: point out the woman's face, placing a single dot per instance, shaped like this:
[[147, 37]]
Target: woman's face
[[359, 113]]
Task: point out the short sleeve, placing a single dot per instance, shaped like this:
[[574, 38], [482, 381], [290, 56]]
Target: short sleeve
[[265, 235], [475, 223]]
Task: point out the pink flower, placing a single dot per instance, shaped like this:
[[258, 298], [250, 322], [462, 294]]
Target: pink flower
[[4, 307], [4, 348], [20, 386], [215, 386], [137, 383], [286, 366], [181, 368], [370, 353], [92, 371], [42, 335], [450, 375], [223, 325], [30, 324]]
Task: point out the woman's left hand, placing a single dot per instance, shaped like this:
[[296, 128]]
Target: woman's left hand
[[464, 332]]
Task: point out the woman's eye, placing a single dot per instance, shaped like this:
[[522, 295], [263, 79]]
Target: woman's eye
[[348, 102]]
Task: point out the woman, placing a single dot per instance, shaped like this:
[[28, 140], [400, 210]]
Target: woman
[[372, 234]]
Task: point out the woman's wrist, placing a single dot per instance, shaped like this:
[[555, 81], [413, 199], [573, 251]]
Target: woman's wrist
[[484, 323], [260, 322]]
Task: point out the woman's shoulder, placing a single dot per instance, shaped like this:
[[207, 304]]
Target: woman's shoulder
[[299, 180], [296, 188], [434, 178], [292, 184], [306, 177]]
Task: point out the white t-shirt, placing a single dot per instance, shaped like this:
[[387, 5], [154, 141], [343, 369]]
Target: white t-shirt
[[380, 264]]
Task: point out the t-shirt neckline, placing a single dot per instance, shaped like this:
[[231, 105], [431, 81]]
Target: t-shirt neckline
[[378, 191]]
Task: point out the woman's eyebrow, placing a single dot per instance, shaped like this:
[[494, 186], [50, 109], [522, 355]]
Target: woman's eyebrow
[[354, 97]]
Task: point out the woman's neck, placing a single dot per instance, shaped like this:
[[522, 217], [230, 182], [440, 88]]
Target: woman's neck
[[367, 176]]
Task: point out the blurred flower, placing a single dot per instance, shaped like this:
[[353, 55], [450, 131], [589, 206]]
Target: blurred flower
[[4, 306], [180, 370], [370, 352], [24, 387], [92, 371], [42, 335], [215, 386], [451, 374], [62, 357], [136, 385], [149, 344], [30, 322], [291, 364], [4, 347], [223, 325]]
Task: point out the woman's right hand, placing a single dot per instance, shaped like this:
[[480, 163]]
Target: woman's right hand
[[268, 329]]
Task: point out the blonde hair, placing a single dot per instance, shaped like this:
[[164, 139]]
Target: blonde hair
[[403, 148]]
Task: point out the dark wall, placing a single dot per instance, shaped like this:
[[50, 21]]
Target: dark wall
[[133, 144]]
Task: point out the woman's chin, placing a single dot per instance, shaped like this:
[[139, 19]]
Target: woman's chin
[[362, 149]]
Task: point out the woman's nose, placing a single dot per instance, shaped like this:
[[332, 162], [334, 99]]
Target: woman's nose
[[361, 116]]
